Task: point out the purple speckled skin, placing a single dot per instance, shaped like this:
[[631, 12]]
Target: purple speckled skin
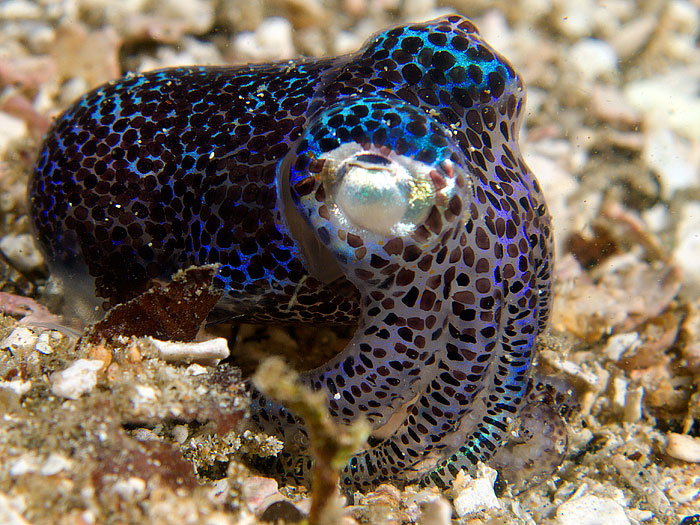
[[244, 166]]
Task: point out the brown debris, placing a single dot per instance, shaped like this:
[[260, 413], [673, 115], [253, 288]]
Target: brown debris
[[174, 312]]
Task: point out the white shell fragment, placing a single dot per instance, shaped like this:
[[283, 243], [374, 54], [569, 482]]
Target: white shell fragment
[[206, 353], [591, 510], [683, 447], [76, 380], [22, 251], [8, 513], [15, 387], [477, 496], [436, 512], [21, 339]]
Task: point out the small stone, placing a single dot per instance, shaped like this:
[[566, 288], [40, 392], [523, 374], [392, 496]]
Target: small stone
[[634, 406], [145, 435], [21, 339], [12, 391], [21, 250], [25, 464], [670, 158], [129, 488], [576, 18], [198, 14], [207, 353], [195, 370], [418, 9], [619, 393], [19, 9], [54, 464], [219, 491], [477, 496], [683, 447], [306, 13], [143, 395], [687, 252], [272, 40], [257, 489], [9, 515], [436, 512], [43, 344], [593, 58], [618, 344], [76, 380], [676, 104], [591, 510], [11, 129], [180, 433]]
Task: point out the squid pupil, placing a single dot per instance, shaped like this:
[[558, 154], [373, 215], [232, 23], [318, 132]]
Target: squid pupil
[[373, 159]]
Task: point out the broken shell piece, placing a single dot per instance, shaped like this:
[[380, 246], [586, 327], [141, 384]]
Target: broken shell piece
[[21, 339], [206, 353], [477, 494], [683, 447], [76, 380]]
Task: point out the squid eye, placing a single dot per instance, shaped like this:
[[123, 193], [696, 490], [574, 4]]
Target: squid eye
[[373, 193], [380, 192]]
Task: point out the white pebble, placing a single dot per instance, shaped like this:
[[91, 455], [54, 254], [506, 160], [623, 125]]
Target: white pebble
[[76, 380], [12, 391], [21, 339], [272, 40], [687, 252], [219, 491], [686, 16], [195, 370], [593, 58], [656, 218], [19, 9], [669, 100], [666, 155], [43, 345], [207, 353], [180, 433], [17, 387], [576, 18], [683, 447], [618, 344], [143, 395], [20, 249], [54, 464], [478, 495], [591, 510], [190, 51], [197, 14], [9, 514], [619, 393], [436, 512], [129, 488], [415, 9], [25, 464], [11, 129]]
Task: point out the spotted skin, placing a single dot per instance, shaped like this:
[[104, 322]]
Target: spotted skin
[[245, 167]]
